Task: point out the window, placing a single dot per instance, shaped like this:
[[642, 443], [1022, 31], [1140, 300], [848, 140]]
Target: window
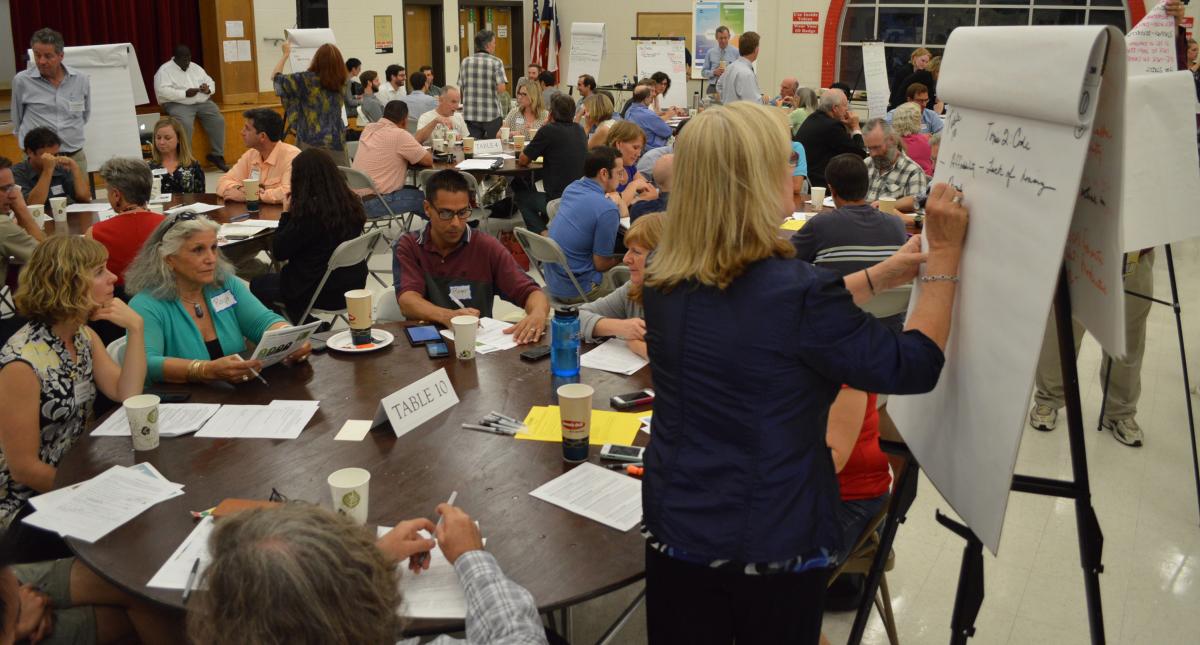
[[905, 25]]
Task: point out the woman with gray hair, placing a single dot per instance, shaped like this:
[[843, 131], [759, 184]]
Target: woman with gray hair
[[198, 315], [128, 181], [806, 101], [906, 121]]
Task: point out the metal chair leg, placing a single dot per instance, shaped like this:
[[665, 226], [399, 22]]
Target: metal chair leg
[[889, 619]]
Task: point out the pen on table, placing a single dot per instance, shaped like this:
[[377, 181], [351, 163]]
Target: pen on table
[[449, 502], [191, 580], [492, 421], [479, 428], [252, 370], [508, 419]]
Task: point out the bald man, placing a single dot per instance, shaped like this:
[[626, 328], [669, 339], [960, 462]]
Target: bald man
[[787, 94], [663, 168]]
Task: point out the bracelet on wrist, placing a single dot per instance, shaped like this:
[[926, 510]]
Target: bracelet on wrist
[[870, 284], [939, 278]]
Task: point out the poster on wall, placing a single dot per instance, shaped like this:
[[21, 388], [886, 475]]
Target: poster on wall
[[383, 35], [738, 15]]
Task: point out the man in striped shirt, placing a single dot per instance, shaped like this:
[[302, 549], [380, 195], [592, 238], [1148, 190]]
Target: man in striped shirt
[[854, 235], [482, 78]]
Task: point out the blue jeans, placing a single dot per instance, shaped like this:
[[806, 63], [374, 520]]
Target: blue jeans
[[402, 201], [853, 516]]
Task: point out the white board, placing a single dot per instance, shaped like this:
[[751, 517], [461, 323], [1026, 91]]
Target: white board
[[587, 50], [875, 74], [665, 56], [1019, 164], [1162, 173], [116, 87]]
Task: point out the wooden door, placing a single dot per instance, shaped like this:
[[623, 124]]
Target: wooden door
[[466, 31], [501, 23], [418, 37]]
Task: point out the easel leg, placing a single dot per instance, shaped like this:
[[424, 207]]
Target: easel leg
[[969, 597], [1187, 386]]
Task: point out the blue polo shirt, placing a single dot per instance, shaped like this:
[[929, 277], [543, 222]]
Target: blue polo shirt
[[657, 131], [586, 225]]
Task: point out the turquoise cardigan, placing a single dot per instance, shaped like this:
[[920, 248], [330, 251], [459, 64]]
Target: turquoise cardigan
[[170, 332]]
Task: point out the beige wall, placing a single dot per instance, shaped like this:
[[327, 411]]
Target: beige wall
[[353, 23], [271, 17]]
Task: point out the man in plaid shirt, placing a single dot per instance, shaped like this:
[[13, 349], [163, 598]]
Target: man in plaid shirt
[[891, 173], [482, 78]]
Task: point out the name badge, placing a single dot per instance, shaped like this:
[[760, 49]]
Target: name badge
[[254, 174], [158, 171], [75, 106], [56, 190], [460, 292], [85, 391], [223, 301]]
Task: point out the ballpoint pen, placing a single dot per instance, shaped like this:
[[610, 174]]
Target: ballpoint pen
[[252, 370], [191, 580], [449, 502], [508, 432]]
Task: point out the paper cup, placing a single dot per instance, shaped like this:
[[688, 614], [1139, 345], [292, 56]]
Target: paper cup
[[439, 145], [58, 206], [155, 188], [358, 310], [532, 133], [464, 336], [142, 412], [350, 488], [818, 197], [250, 188], [38, 212], [575, 407], [887, 205], [518, 141], [504, 134], [156, 208], [468, 145]]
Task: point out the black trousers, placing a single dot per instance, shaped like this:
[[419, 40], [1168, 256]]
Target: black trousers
[[693, 604], [485, 129]]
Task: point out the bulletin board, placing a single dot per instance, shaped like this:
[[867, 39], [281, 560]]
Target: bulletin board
[[663, 23]]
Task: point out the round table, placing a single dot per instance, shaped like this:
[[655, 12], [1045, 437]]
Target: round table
[[509, 168], [560, 557], [79, 223]]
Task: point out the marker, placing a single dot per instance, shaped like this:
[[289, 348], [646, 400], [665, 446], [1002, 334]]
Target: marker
[[633, 470], [508, 419], [252, 370], [199, 515], [449, 502], [501, 423], [479, 428], [458, 302], [191, 580]]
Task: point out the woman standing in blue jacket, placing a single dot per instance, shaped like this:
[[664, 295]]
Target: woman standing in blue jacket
[[749, 348]]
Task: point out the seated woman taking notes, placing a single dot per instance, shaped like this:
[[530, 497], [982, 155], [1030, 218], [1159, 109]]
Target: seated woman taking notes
[[198, 314], [49, 372], [620, 312]]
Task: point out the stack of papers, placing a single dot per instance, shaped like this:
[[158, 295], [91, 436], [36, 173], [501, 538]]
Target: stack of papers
[[88, 207], [495, 155], [175, 571], [545, 424], [435, 592], [596, 493], [795, 222], [174, 419], [613, 355], [237, 232], [279, 420], [260, 223], [95, 508], [162, 198], [198, 207], [489, 337], [477, 164]]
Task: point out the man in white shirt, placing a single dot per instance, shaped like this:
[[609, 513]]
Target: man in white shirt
[[393, 87], [739, 82], [185, 91], [445, 114]]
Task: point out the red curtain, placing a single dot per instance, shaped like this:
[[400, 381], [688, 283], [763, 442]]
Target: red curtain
[[154, 27]]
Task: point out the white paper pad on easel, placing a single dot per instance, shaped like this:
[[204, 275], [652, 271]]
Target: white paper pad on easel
[[174, 419], [102, 504], [174, 573], [608, 497], [613, 355]]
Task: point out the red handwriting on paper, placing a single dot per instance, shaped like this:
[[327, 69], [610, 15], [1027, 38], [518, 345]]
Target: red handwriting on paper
[[1084, 260]]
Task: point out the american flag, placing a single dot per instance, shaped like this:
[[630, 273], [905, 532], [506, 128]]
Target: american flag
[[545, 37]]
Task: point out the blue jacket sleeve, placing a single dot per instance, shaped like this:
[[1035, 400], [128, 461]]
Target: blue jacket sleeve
[[253, 317], [847, 345], [154, 331]]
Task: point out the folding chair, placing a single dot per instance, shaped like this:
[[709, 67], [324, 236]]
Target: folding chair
[[347, 254], [351, 150], [859, 562], [116, 349], [543, 250], [388, 309], [358, 180], [552, 209]]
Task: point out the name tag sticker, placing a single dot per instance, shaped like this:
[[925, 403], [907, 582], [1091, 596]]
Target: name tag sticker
[[223, 301], [158, 171], [75, 106], [56, 189], [84, 391], [460, 292], [254, 174]]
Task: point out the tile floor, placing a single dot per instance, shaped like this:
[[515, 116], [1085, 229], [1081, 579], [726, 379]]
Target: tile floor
[[1145, 499]]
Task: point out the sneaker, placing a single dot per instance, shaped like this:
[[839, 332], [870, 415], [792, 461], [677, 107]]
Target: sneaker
[[1127, 431], [1043, 417]]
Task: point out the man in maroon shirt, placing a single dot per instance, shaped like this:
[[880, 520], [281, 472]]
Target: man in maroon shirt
[[450, 270]]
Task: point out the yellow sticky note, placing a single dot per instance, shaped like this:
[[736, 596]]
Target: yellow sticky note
[[545, 424], [792, 225]]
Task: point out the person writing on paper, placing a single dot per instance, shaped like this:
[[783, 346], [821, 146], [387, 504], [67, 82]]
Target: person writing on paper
[[267, 159], [49, 372], [128, 187], [52, 95], [445, 115], [184, 91], [620, 313], [656, 130], [717, 59], [171, 159], [891, 174], [528, 113], [722, 272], [63, 601], [450, 269], [830, 131], [323, 213], [313, 101], [386, 150], [46, 174], [302, 557], [662, 85], [198, 315]]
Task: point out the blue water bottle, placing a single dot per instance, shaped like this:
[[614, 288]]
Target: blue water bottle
[[564, 342]]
